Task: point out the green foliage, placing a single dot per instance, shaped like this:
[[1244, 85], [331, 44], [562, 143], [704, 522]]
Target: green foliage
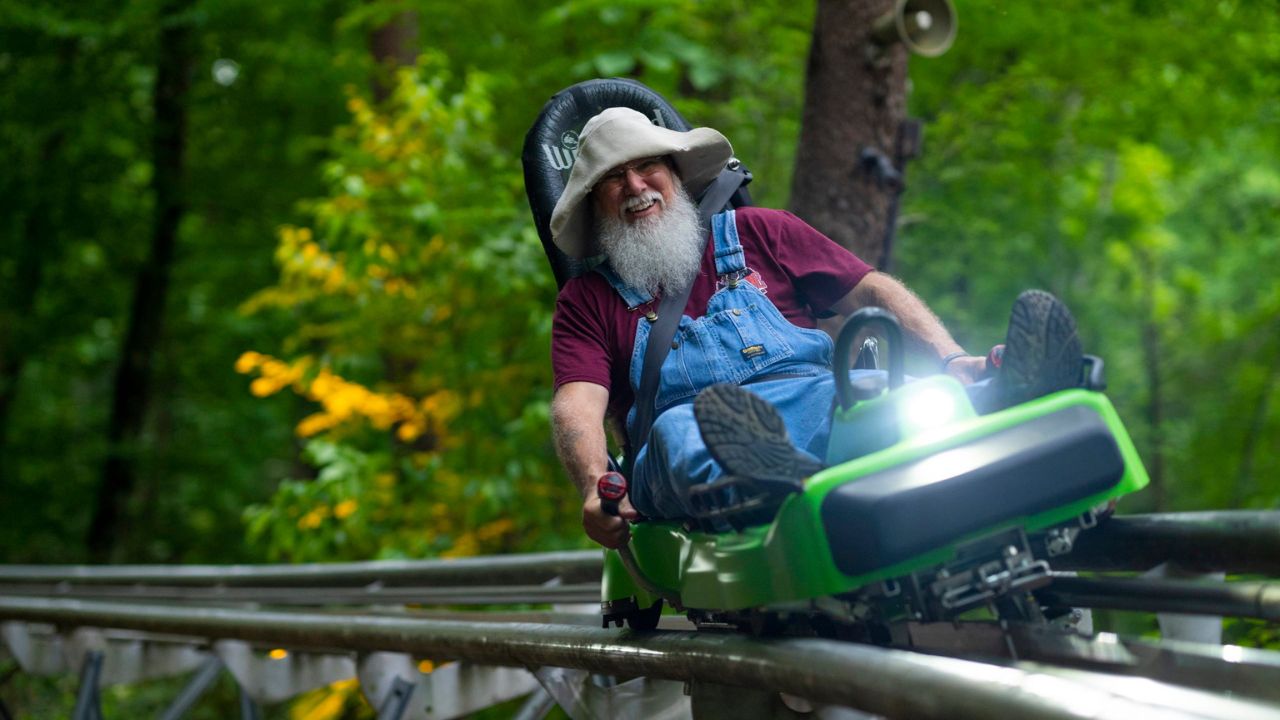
[[75, 113], [1115, 155], [422, 332]]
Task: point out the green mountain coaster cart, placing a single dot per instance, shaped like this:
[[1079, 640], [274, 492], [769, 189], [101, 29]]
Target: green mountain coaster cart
[[925, 512]]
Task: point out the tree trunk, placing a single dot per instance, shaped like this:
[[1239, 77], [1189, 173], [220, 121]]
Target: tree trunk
[[36, 248], [133, 376], [393, 45], [855, 102]]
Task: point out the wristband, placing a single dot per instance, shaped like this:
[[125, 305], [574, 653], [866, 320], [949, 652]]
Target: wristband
[[942, 366]]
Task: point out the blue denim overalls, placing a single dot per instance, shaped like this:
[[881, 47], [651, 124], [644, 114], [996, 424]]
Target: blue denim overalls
[[743, 339]]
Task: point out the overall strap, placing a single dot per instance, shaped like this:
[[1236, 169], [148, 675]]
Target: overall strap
[[631, 296], [724, 233]]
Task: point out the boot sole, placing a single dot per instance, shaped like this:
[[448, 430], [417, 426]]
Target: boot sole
[[747, 436], [1042, 349]]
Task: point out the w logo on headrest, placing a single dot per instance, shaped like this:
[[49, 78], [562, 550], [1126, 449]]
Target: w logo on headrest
[[560, 158]]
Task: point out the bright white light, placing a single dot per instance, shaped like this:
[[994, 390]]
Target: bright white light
[[1232, 653], [924, 20], [225, 71], [929, 409]]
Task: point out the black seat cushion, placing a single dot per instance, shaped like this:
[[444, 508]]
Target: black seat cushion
[[896, 514]]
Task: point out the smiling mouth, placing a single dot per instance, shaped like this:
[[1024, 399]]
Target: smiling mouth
[[641, 205]]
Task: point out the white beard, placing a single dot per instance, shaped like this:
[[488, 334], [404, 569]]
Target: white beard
[[658, 253]]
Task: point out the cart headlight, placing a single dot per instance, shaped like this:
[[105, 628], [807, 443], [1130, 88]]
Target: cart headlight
[[927, 409]]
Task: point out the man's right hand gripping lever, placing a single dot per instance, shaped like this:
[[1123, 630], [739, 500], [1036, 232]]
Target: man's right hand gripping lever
[[606, 512]]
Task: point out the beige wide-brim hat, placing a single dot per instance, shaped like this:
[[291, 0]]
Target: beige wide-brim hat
[[619, 135]]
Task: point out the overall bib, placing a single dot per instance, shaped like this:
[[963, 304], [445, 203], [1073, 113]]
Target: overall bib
[[742, 339]]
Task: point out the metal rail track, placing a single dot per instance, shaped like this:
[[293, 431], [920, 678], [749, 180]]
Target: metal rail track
[[528, 569], [1258, 600], [321, 596], [1234, 541], [893, 683]]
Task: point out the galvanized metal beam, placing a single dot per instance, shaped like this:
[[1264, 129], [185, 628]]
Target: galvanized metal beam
[[88, 701], [889, 682], [196, 687]]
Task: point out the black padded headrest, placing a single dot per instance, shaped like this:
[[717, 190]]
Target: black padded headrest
[[550, 148]]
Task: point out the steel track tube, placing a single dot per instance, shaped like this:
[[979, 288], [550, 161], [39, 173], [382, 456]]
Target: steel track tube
[[893, 683], [1234, 541], [464, 595], [529, 569], [1260, 600]]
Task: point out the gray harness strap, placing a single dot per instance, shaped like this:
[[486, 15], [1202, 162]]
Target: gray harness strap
[[670, 310]]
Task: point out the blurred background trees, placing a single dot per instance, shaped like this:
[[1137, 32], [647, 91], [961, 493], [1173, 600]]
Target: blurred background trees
[[350, 359]]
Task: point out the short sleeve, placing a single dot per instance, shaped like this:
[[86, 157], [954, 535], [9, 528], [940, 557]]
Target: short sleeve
[[579, 337], [821, 270]]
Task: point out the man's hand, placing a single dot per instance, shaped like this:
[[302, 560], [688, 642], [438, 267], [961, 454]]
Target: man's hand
[[608, 530], [967, 369]]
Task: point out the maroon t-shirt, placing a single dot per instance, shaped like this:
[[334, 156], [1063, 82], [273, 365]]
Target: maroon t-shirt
[[804, 273]]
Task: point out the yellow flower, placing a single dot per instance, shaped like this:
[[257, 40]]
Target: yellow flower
[[345, 509], [262, 387], [408, 432], [314, 424], [247, 362], [311, 520]]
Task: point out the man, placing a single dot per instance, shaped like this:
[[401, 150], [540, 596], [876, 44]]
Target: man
[[757, 288]]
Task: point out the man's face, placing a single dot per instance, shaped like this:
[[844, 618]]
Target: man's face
[[648, 226], [635, 191]]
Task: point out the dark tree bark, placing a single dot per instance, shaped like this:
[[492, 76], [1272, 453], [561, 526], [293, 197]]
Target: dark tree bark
[[855, 100], [15, 318], [132, 390], [36, 248], [393, 45]]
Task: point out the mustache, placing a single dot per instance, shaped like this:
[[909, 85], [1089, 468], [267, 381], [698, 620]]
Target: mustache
[[662, 252], [642, 200]]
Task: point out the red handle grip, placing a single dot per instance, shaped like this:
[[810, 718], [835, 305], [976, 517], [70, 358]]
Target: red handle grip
[[611, 487]]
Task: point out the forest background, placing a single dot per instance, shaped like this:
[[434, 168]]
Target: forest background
[[264, 298], [350, 359], [346, 310]]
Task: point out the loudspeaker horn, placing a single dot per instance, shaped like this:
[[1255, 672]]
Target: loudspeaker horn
[[926, 27]]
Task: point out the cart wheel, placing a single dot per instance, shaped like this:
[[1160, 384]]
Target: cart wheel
[[645, 620]]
